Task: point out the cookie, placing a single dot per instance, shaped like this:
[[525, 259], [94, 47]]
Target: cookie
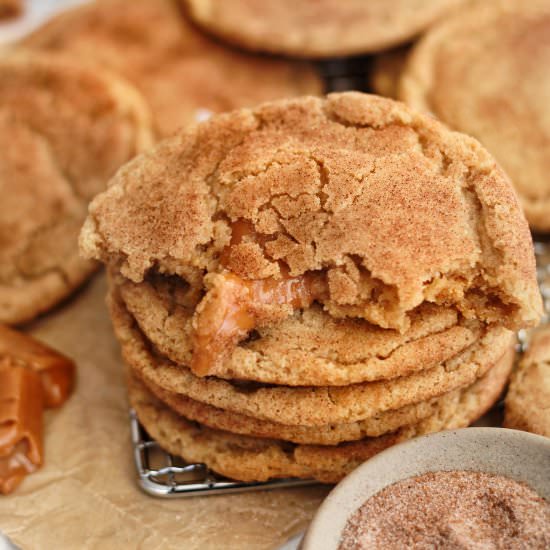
[[332, 434], [255, 459], [306, 406], [317, 28], [483, 71], [182, 74], [308, 348], [386, 70], [527, 405], [64, 130], [353, 202]]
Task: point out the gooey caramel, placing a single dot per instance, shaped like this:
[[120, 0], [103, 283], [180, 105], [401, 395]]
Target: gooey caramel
[[32, 376], [232, 307], [56, 371], [21, 406]]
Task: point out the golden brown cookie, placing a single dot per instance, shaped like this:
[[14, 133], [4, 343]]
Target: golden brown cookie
[[254, 459], [353, 202], [386, 71], [331, 434], [308, 348], [317, 28], [181, 73], [483, 71], [306, 406], [528, 399], [64, 130]]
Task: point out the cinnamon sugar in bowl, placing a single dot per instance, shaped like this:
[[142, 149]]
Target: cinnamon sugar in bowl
[[498, 480]]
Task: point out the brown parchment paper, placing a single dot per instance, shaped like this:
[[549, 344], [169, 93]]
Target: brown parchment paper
[[85, 496]]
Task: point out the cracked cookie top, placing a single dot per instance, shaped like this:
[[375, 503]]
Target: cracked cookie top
[[182, 73], [317, 28], [483, 71], [383, 207], [64, 131]]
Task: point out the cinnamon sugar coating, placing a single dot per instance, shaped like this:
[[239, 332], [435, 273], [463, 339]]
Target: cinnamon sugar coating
[[64, 130], [483, 71], [183, 75], [392, 208], [256, 459], [450, 509], [317, 28]]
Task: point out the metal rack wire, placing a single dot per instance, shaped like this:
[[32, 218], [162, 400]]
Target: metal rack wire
[[161, 474]]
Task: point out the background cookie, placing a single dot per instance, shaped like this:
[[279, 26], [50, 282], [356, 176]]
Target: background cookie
[[386, 70], [317, 28], [182, 74], [483, 71], [255, 459], [64, 130], [527, 404]]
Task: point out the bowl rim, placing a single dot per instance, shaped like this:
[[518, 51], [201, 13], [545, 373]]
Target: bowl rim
[[478, 443]]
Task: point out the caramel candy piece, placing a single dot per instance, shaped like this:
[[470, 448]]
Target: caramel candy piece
[[21, 407], [231, 308], [56, 371]]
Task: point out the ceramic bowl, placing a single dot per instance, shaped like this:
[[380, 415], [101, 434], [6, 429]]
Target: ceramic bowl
[[518, 455]]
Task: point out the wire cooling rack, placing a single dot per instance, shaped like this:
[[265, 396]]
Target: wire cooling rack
[[161, 474]]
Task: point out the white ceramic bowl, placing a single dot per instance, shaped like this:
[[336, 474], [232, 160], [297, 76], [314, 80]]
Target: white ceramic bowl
[[518, 455]]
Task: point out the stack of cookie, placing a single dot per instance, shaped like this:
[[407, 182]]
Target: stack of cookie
[[298, 286]]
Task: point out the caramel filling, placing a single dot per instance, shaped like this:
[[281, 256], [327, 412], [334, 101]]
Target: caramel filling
[[15, 466], [32, 376], [21, 407], [57, 372], [233, 307]]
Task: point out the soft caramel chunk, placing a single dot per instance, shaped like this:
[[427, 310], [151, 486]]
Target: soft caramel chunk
[[233, 306], [21, 407], [56, 371]]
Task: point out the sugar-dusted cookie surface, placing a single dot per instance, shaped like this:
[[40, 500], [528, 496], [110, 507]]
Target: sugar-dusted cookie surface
[[484, 71], [254, 459], [182, 74], [317, 28], [64, 131], [527, 405]]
